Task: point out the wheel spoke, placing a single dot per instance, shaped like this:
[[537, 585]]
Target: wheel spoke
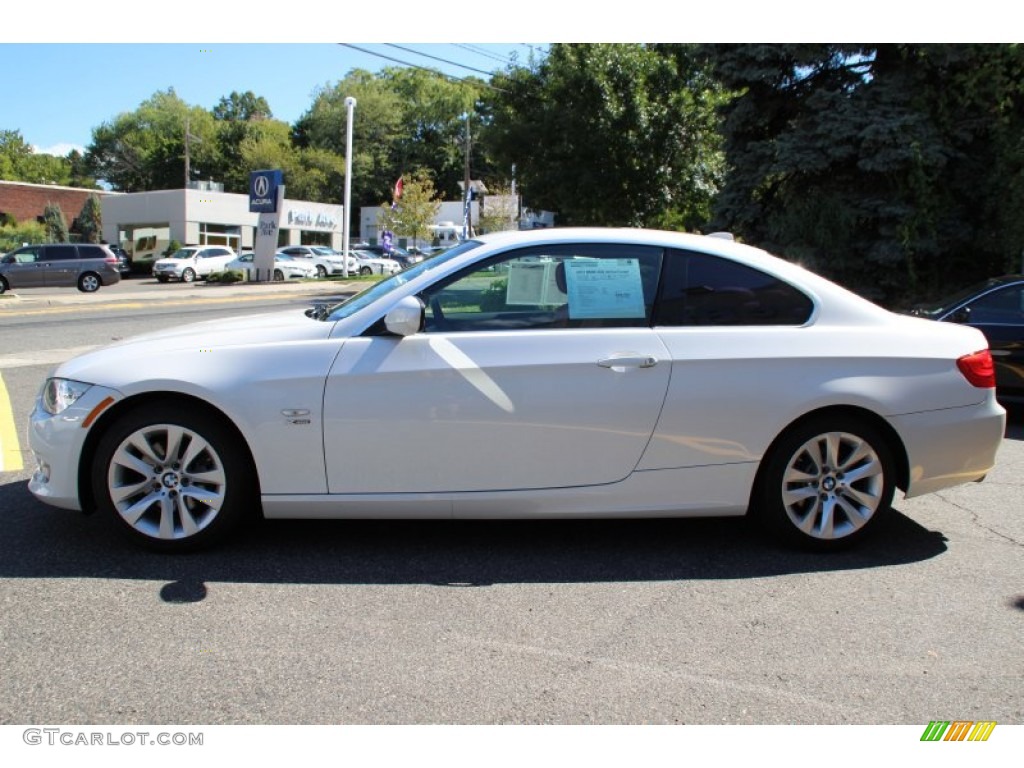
[[212, 499], [166, 517], [122, 493], [188, 523], [130, 461], [135, 511]]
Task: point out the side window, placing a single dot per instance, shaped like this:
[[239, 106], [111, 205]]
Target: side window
[[91, 252], [60, 253], [1005, 306], [590, 285], [27, 255], [700, 289]]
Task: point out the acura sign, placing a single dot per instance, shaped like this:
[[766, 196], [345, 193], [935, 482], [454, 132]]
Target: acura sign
[[263, 191]]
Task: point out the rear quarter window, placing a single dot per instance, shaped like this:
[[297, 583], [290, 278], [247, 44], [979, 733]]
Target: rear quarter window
[[699, 289]]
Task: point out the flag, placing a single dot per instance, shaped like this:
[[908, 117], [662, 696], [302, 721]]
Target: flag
[[398, 189]]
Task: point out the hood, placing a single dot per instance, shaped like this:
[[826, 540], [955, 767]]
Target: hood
[[126, 358]]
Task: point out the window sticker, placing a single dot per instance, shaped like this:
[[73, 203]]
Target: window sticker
[[533, 283], [604, 288]]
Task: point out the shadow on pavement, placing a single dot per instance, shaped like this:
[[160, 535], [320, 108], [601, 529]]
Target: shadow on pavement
[[42, 542]]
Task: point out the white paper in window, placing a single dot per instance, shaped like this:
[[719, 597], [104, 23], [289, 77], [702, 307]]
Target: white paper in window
[[604, 288]]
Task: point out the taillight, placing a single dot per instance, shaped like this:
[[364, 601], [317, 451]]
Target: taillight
[[110, 259], [978, 369]]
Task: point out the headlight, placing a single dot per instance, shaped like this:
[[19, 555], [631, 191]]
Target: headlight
[[60, 394]]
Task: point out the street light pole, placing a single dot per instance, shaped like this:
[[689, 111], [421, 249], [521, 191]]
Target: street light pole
[[350, 106]]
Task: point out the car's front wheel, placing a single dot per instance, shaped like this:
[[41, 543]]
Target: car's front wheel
[[174, 480], [365, 271], [3, 286], [826, 483], [278, 276], [321, 271], [188, 275], [89, 282]]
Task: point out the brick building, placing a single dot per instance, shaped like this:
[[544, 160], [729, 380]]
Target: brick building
[[26, 202]]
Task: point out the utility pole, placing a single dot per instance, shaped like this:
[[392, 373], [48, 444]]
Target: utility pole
[[466, 190], [189, 137]]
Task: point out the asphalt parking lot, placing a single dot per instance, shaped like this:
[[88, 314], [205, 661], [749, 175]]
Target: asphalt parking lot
[[567, 622]]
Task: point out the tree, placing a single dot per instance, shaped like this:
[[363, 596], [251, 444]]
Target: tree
[[145, 149], [90, 220], [895, 169], [55, 224], [415, 211], [610, 134]]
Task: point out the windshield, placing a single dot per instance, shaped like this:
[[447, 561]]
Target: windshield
[[384, 287], [936, 308], [322, 250], [184, 253]]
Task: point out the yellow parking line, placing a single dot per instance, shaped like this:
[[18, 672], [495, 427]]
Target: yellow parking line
[[10, 449]]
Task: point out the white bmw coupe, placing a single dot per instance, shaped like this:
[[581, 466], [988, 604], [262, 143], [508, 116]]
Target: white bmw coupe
[[555, 373]]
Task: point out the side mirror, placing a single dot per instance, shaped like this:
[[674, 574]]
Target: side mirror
[[406, 317], [7, 260]]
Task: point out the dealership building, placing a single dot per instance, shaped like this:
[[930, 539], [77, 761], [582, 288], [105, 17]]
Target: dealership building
[[205, 215]]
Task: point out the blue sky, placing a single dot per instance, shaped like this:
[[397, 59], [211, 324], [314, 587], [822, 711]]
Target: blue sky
[[77, 65], [75, 87]]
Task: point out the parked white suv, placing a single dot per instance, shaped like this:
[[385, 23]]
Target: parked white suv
[[193, 261]]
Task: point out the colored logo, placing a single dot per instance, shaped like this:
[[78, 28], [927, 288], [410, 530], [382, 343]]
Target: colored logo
[[958, 730]]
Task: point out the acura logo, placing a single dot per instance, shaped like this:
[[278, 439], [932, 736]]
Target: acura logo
[[261, 186]]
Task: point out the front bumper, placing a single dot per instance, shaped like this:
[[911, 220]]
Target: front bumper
[[56, 443]]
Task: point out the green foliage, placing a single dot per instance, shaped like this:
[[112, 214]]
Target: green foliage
[[90, 220], [172, 247], [145, 149], [54, 223], [415, 211], [18, 162], [15, 235], [896, 169], [611, 134]]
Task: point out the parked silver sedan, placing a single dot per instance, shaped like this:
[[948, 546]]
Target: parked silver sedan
[[554, 373]]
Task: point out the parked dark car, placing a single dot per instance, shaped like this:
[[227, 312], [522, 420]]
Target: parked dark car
[[124, 261], [996, 308], [86, 266]]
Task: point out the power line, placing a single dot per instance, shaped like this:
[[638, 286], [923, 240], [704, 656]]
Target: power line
[[482, 52], [437, 72], [438, 58]]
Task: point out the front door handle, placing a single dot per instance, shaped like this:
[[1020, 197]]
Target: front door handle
[[628, 361]]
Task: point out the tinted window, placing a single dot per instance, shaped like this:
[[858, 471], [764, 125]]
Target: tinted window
[[60, 253], [698, 289], [91, 252], [565, 286], [1005, 307]]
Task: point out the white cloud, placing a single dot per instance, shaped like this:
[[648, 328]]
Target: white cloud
[[59, 150]]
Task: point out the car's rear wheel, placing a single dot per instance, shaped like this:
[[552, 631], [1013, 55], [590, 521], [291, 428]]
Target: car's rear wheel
[[174, 480], [89, 282], [3, 285], [826, 483], [188, 275]]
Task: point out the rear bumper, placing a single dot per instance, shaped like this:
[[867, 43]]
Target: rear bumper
[[952, 446]]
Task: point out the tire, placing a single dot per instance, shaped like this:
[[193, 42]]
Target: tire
[[172, 479], [278, 276], [189, 275], [89, 282], [4, 287], [365, 271], [321, 271], [826, 483], [163, 279]]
